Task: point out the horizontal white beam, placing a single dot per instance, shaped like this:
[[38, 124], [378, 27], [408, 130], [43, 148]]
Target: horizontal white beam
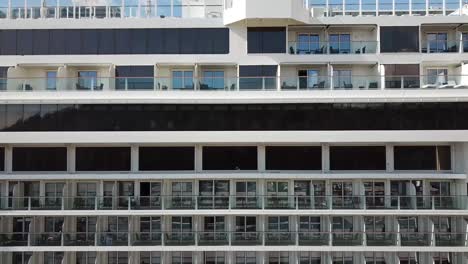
[[227, 138], [239, 248], [233, 175], [235, 97], [250, 212]]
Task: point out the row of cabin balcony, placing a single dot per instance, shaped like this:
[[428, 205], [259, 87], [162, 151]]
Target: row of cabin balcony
[[269, 230], [303, 9], [236, 257], [437, 194], [283, 77]]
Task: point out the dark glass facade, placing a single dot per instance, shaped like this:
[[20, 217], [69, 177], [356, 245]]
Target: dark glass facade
[[399, 39], [39, 159], [103, 159], [266, 40], [230, 158], [2, 159], [422, 158], [314, 117], [115, 41], [166, 158], [293, 158], [357, 158]]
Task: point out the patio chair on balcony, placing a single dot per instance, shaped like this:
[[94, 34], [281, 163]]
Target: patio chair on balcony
[[373, 85], [448, 84], [291, 50], [347, 85], [319, 85]]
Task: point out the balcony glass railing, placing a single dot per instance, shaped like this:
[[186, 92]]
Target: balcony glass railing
[[302, 83], [275, 202], [440, 46], [247, 238], [30, 9], [329, 47], [312, 83]]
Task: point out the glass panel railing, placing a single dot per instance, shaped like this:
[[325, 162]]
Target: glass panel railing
[[204, 238], [246, 238], [16, 239], [246, 202], [305, 83], [147, 203], [381, 239], [179, 238], [347, 238], [308, 238], [450, 239], [79, 239], [312, 83], [239, 202], [154, 238], [46, 239], [279, 238], [415, 239], [110, 9], [180, 202], [213, 238], [213, 202], [325, 47], [113, 239], [279, 202], [440, 46]]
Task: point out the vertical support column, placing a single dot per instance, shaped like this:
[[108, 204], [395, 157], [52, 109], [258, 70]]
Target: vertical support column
[[278, 74], [390, 166], [198, 158], [196, 75], [382, 76], [377, 7], [134, 157], [237, 78], [8, 159], [427, 7], [325, 158], [360, 7], [330, 74], [393, 7], [410, 7], [444, 8], [261, 157]]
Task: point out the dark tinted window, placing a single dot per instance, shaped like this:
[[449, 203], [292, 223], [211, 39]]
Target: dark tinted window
[[357, 158], [165, 117], [2, 159], [40, 159], [266, 40], [230, 158], [166, 158], [399, 39], [293, 158], [103, 159], [115, 41], [422, 158], [134, 71]]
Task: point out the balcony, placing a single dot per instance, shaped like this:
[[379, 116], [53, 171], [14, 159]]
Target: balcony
[[269, 202], [347, 239], [30, 9], [267, 238], [213, 238], [326, 47], [414, 239], [381, 239], [236, 84]]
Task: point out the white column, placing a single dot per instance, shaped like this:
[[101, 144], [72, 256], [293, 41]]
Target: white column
[[261, 158], [134, 156], [8, 159], [71, 159], [325, 158], [389, 158], [198, 158]]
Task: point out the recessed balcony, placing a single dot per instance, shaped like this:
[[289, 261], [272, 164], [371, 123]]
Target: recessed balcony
[[241, 202], [248, 238], [32, 9]]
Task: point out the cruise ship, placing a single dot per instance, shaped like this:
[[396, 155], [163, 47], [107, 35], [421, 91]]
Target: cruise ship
[[233, 131]]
